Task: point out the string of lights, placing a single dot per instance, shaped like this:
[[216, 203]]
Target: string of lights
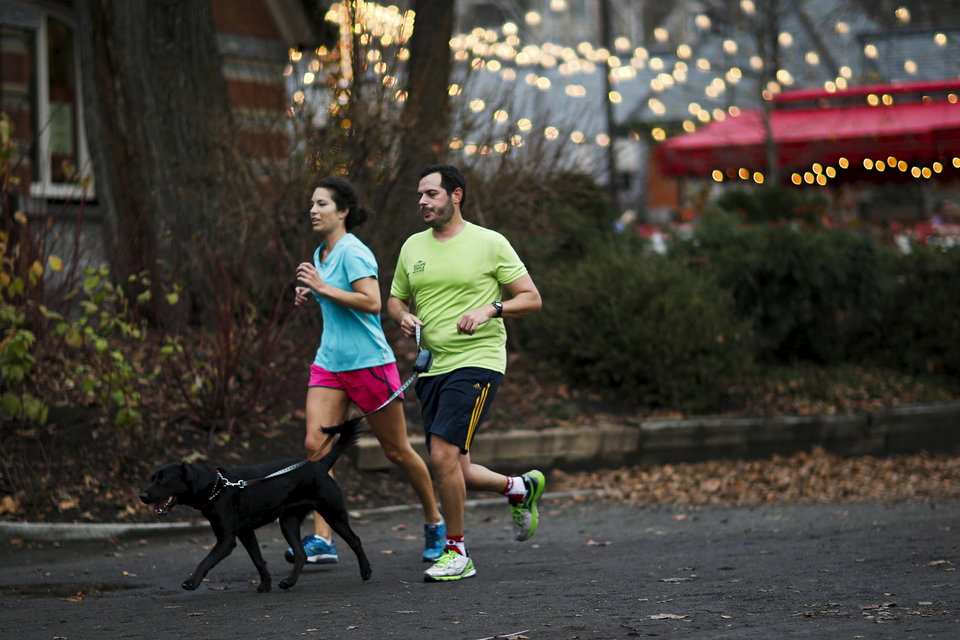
[[656, 80]]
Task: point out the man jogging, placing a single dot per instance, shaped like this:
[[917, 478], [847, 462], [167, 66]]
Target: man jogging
[[448, 281]]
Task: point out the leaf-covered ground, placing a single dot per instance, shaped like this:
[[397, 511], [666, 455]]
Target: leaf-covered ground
[[814, 476], [76, 470]]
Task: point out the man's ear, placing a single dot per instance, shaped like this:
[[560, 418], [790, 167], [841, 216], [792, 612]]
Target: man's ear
[[457, 195]]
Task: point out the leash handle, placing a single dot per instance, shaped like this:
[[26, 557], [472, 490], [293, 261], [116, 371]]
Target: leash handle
[[424, 358]]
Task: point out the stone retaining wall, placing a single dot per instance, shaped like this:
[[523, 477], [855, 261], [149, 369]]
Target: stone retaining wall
[[909, 429]]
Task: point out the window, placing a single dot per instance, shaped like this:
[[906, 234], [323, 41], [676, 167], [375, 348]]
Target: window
[[41, 93]]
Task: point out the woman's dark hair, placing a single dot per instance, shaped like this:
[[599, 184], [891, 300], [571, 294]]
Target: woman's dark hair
[[345, 197], [450, 179]]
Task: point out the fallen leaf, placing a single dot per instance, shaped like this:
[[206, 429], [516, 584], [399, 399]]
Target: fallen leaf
[[711, 486], [667, 616], [594, 543], [9, 505]]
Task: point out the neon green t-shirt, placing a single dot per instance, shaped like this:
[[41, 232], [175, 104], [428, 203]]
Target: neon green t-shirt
[[446, 279]]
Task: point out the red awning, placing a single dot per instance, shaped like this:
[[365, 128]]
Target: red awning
[[920, 132]]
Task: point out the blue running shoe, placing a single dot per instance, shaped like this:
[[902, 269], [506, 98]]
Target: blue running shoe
[[318, 550], [434, 539]]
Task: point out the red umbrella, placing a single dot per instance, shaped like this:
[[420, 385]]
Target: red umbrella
[[920, 125]]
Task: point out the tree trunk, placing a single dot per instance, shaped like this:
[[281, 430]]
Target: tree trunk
[[427, 112], [157, 113]]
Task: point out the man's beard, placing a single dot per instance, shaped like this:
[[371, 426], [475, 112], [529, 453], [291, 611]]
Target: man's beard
[[441, 216]]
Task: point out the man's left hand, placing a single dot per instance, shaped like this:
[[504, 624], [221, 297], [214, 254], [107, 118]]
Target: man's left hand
[[471, 320]]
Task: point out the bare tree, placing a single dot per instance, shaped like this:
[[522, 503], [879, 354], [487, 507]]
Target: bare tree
[[380, 143]]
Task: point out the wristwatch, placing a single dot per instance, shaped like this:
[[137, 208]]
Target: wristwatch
[[499, 307]]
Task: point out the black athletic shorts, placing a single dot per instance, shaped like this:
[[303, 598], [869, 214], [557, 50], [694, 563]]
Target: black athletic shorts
[[454, 404]]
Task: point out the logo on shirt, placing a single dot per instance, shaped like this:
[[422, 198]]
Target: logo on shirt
[[419, 266]]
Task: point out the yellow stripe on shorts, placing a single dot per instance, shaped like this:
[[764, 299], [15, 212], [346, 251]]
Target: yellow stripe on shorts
[[475, 416]]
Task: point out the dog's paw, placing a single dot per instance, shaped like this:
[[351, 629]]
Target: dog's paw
[[265, 586], [189, 585], [366, 573], [286, 584]]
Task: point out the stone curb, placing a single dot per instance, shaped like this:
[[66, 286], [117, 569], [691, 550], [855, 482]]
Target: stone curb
[[901, 430], [75, 532]]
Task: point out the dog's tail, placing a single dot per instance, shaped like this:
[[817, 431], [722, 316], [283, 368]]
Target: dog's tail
[[344, 428], [347, 433]]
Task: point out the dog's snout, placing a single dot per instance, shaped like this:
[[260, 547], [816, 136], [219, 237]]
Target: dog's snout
[[145, 498]]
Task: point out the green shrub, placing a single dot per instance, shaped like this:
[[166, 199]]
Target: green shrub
[[639, 328], [810, 295], [920, 326], [772, 204]]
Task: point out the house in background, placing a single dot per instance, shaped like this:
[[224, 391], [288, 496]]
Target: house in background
[[41, 92]]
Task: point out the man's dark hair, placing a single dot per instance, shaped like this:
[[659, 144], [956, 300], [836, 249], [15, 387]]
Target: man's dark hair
[[450, 179]]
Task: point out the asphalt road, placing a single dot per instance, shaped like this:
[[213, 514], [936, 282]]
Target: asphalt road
[[594, 571]]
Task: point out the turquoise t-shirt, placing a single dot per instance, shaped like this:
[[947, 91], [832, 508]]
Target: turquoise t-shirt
[[351, 339], [446, 279]]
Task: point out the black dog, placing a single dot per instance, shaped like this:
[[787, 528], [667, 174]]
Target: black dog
[[235, 511]]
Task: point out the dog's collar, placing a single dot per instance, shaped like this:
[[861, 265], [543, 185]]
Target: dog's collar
[[222, 483]]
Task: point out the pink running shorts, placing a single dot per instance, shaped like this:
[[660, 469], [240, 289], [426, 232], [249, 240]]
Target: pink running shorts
[[367, 388]]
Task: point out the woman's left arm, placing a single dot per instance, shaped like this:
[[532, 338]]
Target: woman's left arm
[[365, 296]]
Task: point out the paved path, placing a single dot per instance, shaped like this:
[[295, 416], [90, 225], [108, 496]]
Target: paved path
[[594, 571]]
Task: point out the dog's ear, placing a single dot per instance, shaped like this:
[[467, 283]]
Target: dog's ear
[[189, 473], [196, 475], [165, 473]]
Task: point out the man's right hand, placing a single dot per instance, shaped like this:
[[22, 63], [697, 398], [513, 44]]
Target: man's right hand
[[409, 325]]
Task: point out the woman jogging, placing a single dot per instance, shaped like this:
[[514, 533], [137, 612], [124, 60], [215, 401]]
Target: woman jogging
[[354, 362]]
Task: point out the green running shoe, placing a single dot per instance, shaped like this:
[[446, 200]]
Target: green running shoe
[[450, 566], [525, 515]]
